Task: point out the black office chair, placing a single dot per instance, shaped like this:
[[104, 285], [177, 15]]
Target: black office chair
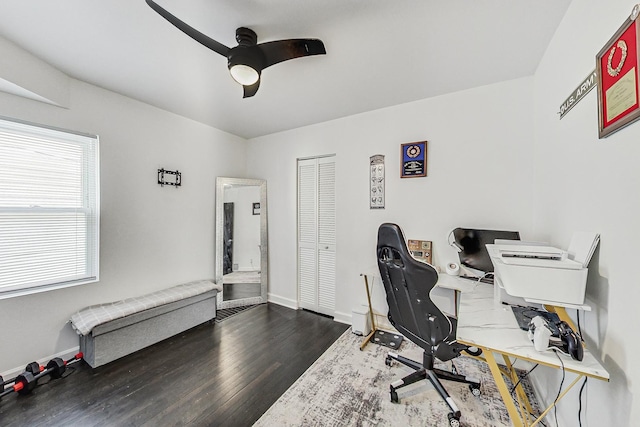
[[408, 283]]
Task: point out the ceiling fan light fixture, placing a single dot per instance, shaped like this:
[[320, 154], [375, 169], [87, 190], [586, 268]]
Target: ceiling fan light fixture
[[244, 74], [247, 60]]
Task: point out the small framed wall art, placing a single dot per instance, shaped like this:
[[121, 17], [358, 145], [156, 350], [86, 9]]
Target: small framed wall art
[[166, 177], [618, 70], [413, 158], [256, 208], [376, 182]]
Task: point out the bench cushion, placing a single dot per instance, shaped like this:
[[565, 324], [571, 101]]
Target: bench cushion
[[86, 319]]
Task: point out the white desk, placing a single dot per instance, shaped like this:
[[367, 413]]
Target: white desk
[[456, 283], [493, 328]]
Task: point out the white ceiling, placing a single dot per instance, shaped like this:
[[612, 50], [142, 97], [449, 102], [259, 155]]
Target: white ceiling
[[379, 52]]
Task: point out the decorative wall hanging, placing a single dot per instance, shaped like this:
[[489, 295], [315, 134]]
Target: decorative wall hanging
[[376, 182], [256, 208], [413, 160], [579, 93], [420, 249], [618, 67], [166, 177]]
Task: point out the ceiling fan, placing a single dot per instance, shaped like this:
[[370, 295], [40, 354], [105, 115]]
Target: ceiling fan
[[247, 60]]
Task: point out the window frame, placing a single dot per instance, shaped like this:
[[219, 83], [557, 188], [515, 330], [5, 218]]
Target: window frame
[[89, 181]]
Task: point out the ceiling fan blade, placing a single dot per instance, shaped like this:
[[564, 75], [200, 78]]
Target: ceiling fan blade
[[251, 90], [190, 31], [283, 50]]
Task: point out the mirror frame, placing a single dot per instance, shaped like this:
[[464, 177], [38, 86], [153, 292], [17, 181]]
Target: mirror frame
[[221, 182]]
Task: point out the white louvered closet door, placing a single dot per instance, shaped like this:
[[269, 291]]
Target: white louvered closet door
[[317, 235]]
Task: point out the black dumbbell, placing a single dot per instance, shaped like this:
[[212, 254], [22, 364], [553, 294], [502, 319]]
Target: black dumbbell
[[27, 381], [33, 367]]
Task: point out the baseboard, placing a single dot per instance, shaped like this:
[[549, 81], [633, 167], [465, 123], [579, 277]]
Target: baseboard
[[342, 317], [285, 302], [65, 355]]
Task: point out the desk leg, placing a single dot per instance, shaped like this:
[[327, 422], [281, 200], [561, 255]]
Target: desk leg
[[525, 410], [517, 418], [566, 390], [514, 414]]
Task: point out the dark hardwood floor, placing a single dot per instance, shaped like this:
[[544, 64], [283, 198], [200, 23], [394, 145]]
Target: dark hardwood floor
[[222, 374]]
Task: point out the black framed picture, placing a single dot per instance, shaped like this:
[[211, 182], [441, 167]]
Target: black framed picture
[[413, 160]]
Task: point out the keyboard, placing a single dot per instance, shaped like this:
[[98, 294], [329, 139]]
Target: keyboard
[[525, 314]]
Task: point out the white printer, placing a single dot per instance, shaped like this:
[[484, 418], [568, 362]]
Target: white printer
[[544, 274]]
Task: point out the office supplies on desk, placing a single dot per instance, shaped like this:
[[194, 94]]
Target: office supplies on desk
[[483, 279], [543, 262], [582, 246], [471, 243], [487, 325], [420, 249], [539, 333], [567, 341], [553, 281], [524, 316], [453, 269], [535, 252]]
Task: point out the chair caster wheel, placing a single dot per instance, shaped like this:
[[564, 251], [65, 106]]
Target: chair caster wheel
[[475, 390], [388, 361], [394, 396], [453, 420]]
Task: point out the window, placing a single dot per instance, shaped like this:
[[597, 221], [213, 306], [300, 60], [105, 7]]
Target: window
[[49, 208]]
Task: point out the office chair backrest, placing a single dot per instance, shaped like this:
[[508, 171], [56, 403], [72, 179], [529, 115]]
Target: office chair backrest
[[407, 283]]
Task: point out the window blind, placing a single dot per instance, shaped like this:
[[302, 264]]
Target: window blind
[[49, 208]]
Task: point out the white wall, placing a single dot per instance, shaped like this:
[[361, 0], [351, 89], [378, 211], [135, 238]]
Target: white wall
[[583, 183], [151, 237], [479, 175]]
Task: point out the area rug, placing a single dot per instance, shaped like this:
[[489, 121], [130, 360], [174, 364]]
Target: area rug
[[349, 387]]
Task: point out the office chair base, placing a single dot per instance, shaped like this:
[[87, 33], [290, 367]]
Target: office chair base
[[427, 371], [474, 384]]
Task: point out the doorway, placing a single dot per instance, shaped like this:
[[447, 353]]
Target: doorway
[[317, 234]]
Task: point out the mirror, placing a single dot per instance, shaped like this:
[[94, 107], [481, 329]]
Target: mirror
[[241, 241]]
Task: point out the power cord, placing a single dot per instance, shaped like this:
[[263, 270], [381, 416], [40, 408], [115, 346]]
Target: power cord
[[555, 402], [520, 378], [580, 401], [584, 383], [479, 279], [579, 327]]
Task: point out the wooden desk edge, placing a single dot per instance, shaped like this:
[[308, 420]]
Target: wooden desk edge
[[575, 371]]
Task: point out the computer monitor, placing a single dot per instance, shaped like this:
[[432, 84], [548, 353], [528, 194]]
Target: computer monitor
[[472, 243]]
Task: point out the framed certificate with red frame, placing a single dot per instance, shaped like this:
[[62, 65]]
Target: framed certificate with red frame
[[618, 78]]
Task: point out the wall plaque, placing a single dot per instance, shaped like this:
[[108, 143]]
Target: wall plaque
[[618, 68], [414, 159]]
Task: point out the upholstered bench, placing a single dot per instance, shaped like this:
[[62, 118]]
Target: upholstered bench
[[111, 331]]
